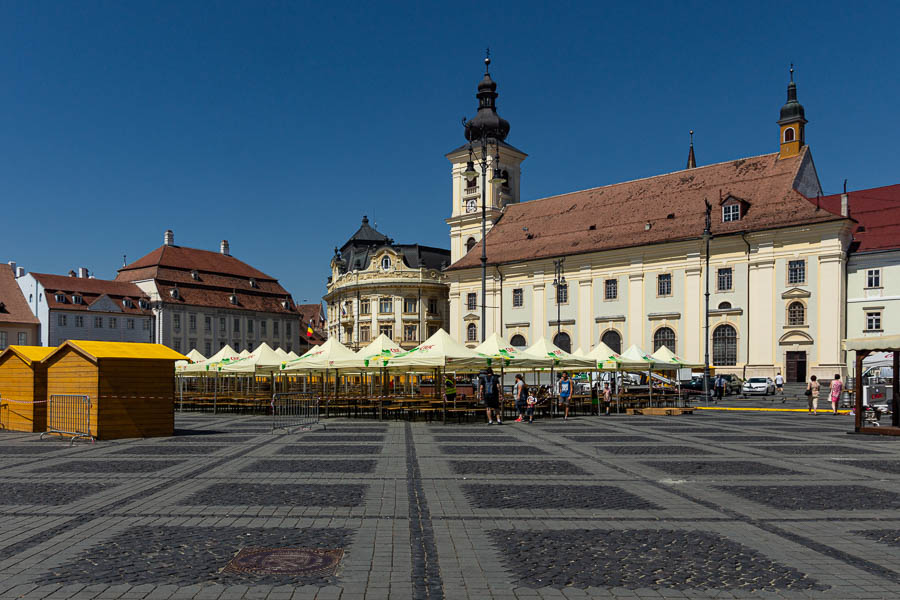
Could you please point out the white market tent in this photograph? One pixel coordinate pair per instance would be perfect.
(280, 351)
(292, 355)
(440, 350)
(261, 360)
(666, 355)
(226, 354)
(330, 355)
(379, 352)
(194, 356)
(559, 358)
(244, 353)
(497, 351)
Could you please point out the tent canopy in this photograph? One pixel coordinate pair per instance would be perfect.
(664, 354)
(263, 359)
(440, 350)
(194, 356)
(379, 352)
(497, 351)
(330, 355)
(605, 357)
(635, 358)
(226, 354)
(559, 357)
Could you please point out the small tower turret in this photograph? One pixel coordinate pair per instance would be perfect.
(792, 122)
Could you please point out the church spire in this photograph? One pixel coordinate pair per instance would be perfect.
(487, 122)
(792, 122)
(692, 161)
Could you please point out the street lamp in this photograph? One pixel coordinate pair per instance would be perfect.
(707, 236)
(485, 132)
(558, 280)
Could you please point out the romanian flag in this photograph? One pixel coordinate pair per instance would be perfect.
(309, 329)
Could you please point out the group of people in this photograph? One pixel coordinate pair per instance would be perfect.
(489, 391)
(812, 393)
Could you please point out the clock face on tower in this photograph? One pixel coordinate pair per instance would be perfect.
(471, 205)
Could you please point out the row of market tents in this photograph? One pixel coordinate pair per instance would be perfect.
(438, 351)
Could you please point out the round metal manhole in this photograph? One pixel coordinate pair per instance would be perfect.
(285, 561)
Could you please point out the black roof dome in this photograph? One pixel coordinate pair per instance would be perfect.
(792, 109)
(487, 122)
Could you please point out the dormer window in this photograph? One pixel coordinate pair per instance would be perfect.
(731, 212)
(233, 298)
(195, 275)
(144, 304)
(77, 299)
(127, 303)
(61, 298)
(174, 293)
(386, 263)
(253, 283)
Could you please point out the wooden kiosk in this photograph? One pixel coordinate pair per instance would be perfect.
(130, 387)
(863, 347)
(23, 388)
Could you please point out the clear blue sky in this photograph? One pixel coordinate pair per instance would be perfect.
(278, 125)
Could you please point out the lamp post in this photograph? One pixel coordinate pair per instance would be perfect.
(707, 236)
(558, 280)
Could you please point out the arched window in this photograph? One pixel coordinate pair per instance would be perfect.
(612, 339)
(562, 341)
(470, 243)
(789, 134)
(386, 263)
(664, 336)
(796, 313)
(724, 346)
(472, 332)
(724, 305)
(518, 341)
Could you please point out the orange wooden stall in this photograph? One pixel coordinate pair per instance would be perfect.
(23, 388)
(131, 386)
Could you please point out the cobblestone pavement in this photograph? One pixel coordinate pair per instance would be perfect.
(717, 504)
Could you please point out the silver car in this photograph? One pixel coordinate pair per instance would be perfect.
(758, 385)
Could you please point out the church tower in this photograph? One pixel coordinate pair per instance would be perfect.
(792, 123)
(486, 149)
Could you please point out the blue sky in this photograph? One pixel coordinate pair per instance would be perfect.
(278, 125)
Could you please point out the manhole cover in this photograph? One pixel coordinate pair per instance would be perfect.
(285, 561)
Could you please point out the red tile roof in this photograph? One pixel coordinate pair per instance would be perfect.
(672, 205)
(877, 215)
(204, 261)
(221, 298)
(14, 306)
(90, 290)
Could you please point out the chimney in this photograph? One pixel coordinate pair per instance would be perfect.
(223, 248)
(20, 272)
(169, 238)
(845, 202)
(82, 272)
(72, 273)
(12, 265)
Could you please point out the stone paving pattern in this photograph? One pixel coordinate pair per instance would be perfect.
(717, 504)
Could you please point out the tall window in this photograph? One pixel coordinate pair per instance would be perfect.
(177, 344)
(873, 278)
(471, 301)
(664, 284)
(192, 322)
(364, 308)
(79, 321)
(146, 325)
(724, 346)
(664, 336)
(176, 322)
(237, 325)
(518, 341)
(208, 348)
(4, 340)
(797, 271)
(192, 343)
(610, 289)
(23, 338)
(873, 321)
(789, 134)
(562, 341)
(472, 332)
(250, 326)
(410, 333)
(61, 320)
(113, 323)
(731, 212)
(470, 243)
(387, 330)
(385, 305)
(562, 294)
(287, 329)
(796, 313)
(364, 333)
(207, 324)
(410, 305)
(275, 328)
(518, 297)
(723, 279)
(98, 322)
(386, 263)
(222, 326)
(612, 339)
(433, 306)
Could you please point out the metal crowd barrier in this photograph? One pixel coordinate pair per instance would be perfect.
(291, 411)
(69, 415)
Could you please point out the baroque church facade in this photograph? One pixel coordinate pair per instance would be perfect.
(776, 263)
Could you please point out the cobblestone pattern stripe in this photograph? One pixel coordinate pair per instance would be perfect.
(426, 573)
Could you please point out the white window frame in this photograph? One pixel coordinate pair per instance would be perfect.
(731, 213)
(518, 298)
(873, 278)
(801, 263)
(611, 284)
(660, 293)
(471, 301)
(386, 305)
(730, 274)
(873, 320)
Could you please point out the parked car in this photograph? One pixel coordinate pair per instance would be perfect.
(732, 384)
(758, 385)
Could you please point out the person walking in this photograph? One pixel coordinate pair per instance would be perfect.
(837, 386)
(450, 389)
(564, 390)
(812, 394)
(489, 393)
(720, 388)
(607, 397)
(530, 403)
(779, 385)
(520, 393)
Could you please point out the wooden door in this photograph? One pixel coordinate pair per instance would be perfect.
(796, 366)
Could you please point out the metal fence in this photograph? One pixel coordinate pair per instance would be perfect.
(69, 415)
(291, 411)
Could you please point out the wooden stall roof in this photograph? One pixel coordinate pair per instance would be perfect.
(94, 351)
(29, 354)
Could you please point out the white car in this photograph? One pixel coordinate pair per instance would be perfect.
(758, 385)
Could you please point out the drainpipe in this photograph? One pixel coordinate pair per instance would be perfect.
(500, 299)
(747, 334)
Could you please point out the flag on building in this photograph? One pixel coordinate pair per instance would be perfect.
(309, 329)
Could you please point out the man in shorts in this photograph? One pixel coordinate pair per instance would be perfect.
(489, 393)
(779, 384)
(564, 387)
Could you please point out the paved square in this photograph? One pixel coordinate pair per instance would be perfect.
(717, 504)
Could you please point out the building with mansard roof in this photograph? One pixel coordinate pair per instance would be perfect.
(203, 299)
(377, 286)
(626, 263)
